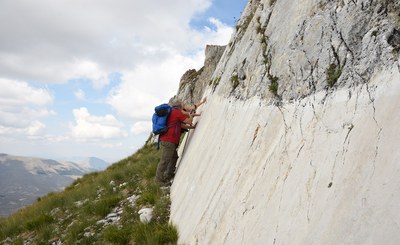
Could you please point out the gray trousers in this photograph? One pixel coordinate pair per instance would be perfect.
(167, 165)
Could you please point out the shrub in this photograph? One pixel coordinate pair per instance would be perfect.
(234, 81)
(273, 86)
(259, 29)
(333, 72)
(215, 83)
(245, 23)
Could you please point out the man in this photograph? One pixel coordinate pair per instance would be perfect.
(170, 140)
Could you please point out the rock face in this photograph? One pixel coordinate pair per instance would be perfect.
(193, 83)
(298, 141)
(299, 43)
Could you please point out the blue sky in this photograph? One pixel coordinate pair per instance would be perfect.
(81, 79)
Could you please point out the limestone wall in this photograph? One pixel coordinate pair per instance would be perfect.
(316, 163)
(322, 170)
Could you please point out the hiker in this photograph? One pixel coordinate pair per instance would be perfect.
(170, 140)
(186, 109)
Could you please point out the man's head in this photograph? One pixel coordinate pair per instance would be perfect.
(175, 102)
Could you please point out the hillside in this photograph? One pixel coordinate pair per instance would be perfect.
(102, 207)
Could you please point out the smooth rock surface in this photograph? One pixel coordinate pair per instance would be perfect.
(316, 161)
(322, 170)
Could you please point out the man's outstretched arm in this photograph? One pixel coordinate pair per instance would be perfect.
(189, 126)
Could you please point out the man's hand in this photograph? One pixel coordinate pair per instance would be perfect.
(189, 126)
(195, 114)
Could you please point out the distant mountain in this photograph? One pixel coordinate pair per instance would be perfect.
(120, 205)
(24, 179)
(95, 163)
(91, 163)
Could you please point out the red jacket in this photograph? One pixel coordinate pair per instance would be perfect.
(174, 123)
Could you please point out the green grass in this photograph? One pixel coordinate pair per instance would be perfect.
(117, 235)
(102, 207)
(72, 215)
(38, 221)
(155, 234)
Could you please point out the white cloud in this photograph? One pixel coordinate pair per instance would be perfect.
(149, 85)
(54, 41)
(21, 106)
(80, 94)
(95, 127)
(35, 128)
(149, 43)
(221, 35)
(152, 83)
(142, 127)
(110, 146)
(17, 93)
(89, 70)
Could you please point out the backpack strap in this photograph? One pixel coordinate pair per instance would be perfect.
(172, 124)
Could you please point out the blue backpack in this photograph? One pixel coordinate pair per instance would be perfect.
(160, 118)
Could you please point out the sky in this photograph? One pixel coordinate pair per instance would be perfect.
(81, 78)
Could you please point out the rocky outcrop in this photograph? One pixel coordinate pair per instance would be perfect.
(193, 83)
(308, 47)
(298, 141)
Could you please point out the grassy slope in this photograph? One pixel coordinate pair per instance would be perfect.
(71, 216)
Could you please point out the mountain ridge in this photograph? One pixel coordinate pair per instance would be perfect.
(24, 179)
